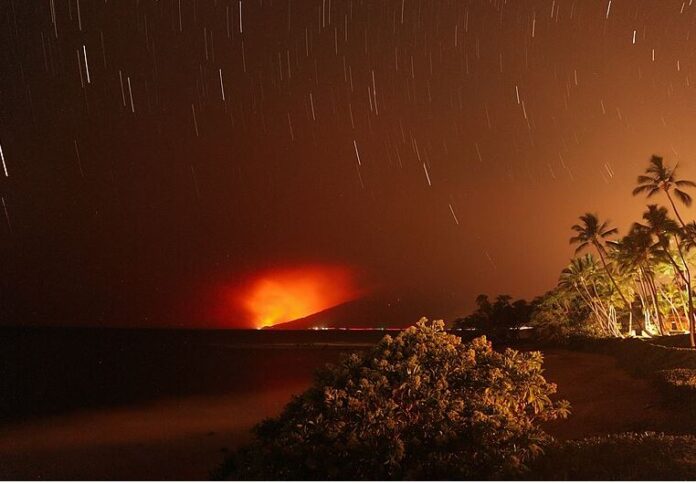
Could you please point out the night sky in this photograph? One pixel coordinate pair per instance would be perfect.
(157, 153)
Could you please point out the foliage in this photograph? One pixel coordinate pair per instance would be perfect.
(680, 384)
(421, 405)
(591, 232)
(680, 377)
(560, 316)
(629, 456)
(499, 316)
(659, 177)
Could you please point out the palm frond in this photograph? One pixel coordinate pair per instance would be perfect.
(653, 192)
(581, 247)
(642, 188)
(656, 163)
(683, 196)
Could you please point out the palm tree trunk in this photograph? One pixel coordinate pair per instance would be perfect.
(600, 250)
(685, 308)
(595, 307)
(692, 322)
(599, 303)
(685, 274)
(642, 291)
(674, 207)
(673, 308)
(587, 299)
(653, 295)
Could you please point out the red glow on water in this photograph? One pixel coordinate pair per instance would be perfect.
(280, 295)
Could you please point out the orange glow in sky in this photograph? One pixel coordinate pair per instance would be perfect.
(284, 295)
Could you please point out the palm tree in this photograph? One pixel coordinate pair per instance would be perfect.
(690, 235)
(582, 276)
(592, 232)
(664, 229)
(638, 257)
(660, 178)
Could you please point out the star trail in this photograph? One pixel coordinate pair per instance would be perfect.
(153, 150)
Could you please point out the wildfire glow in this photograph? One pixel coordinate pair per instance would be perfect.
(287, 294)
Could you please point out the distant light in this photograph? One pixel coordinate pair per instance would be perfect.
(282, 295)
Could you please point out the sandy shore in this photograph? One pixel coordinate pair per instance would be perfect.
(182, 438)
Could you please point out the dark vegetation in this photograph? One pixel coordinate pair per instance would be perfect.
(499, 317)
(630, 456)
(680, 384)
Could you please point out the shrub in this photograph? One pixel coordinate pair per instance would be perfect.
(419, 405)
(630, 456)
(679, 383)
(559, 320)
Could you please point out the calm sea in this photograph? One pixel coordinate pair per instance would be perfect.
(46, 371)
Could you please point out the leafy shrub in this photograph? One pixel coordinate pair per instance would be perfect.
(419, 405)
(558, 319)
(629, 456)
(679, 383)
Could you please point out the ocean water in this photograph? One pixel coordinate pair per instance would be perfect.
(49, 371)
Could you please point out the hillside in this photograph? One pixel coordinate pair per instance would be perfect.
(361, 313)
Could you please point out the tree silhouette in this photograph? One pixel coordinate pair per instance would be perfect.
(499, 316)
(661, 178)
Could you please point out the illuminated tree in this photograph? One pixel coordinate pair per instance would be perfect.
(672, 291)
(586, 280)
(637, 256)
(593, 233)
(561, 313)
(665, 230)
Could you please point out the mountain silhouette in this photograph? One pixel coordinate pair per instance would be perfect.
(360, 313)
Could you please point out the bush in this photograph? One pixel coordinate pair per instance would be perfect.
(421, 405)
(630, 456)
(679, 383)
(557, 320)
